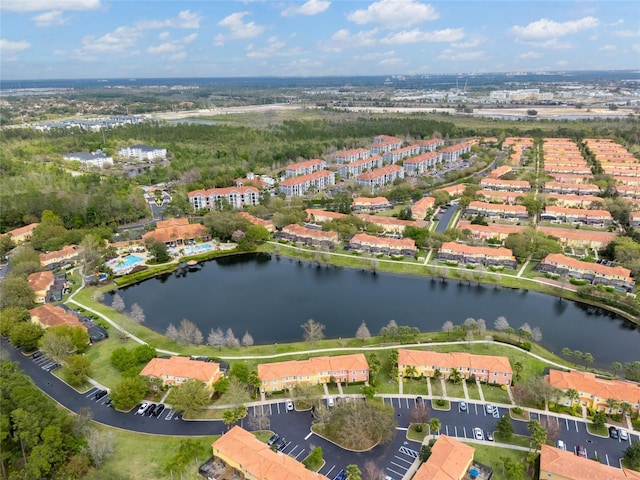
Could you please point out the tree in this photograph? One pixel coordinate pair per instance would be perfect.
(573, 395)
(425, 453)
(186, 333)
(216, 338)
(536, 334)
(504, 427)
(517, 368)
(117, 303)
(123, 359)
(233, 415)
(259, 421)
(230, 340)
(567, 352)
(91, 250)
(78, 369)
(419, 413)
(538, 434)
(455, 376)
(599, 419)
(58, 347)
(236, 393)
(375, 366)
(447, 327)
(137, 314)
(524, 332)
(363, 332)
(512, 468)
(159, 253)
(189, 397)
(616, 367)
(631, 456)
(434, 425)
(16, 292)
(353, 472)
(481, 326)
(247, 339)
(313, 331)
(501, 324)
(552, 428)
(588, 359)
(26, 335)
(128, 392)
(101, 445)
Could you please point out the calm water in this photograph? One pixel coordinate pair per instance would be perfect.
(272, 297)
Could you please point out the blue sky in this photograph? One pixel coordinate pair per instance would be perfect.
(46, 39)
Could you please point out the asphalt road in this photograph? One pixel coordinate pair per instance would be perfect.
(395, 457)
(445, 218)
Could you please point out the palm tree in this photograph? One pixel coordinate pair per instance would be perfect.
(617, 367)
(411, 371)
(573, 396)
(455, 376)
(434, 425)
(514, 469)
(612, 404)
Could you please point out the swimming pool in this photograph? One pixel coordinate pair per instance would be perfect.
(203, 247)
(121, 264)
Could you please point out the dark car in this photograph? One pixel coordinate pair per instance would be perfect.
(280, 444)
(342, 475)
(581, 451)
(36, 355)
(100, 394)
(613, 433)
(150, 409)
(159, 409)
(274, 438)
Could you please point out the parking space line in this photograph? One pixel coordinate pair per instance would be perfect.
(407, 399)
(330, 470)
(300, 453)
(393, 471)
(399, 466)
(567, 422)
(606, 457)
(476, 405)
(576, 425)
(307, 437)
(446, 427)
(278, 405)
(456, 431)
(270, 411)
(464, 429)
(403, 460)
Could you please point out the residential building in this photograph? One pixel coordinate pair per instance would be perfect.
(40, 283)
(350, 156)
(214, 198)
(143, 152)
(594, 273)
(571, 237)
(300, 186)
(571, 188)
(178, 370)
(262, 182)
(305, 168)
(493, 196)
(454, 190)
(22, 234)
(391, 224)
(573, 201)
(280, 376)
(593, 392)
(59, 258)
(370, 204)
(49, 315)
(362, 242)
(430, 145)
(572, 178)
(500, 171)
(505, 185)
(385, 143)
(634, 219)
(599, 218)
(309, 236)
(470, 255)
(485, 368)
(380, 177)
(362, 165)
(268, 224)
(420, 208)
(454, 152)
(419, 165)
(496, 211)
(557, 464)
(554, 169)
(177, 231)
(401, 153)
(449, 460)
(238, 454)
(628, 191)
(494, 231)
(320, 216)
(96, 159)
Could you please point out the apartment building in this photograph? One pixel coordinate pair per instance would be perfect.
(454, 190)
(178, 370)
(352, 155)
(362, 242)
(558, 464)
(571, 237)
(305, 168)
(500, 171)
(239, 455)
(177, 231)
(40, 283)
(449, 460)
(320, 216)
(309, 236)
(370, 204)
(419, 165)
(594, 273)
(279, 376)
(215, 198)
(454, 152)
(143, 152)
(252, 180)
(573, 201)
(380, 176)
(493, 196)
(362, 165)
(420, 208)
(597, 218)
(505, 185)
(593, 392)
(385, 143)
(48, 316)
(573, 178)
(571, 188)
(634, 219)
(300, 186)
(268, 224)
(472, 255)
(22, 234)
(495, 211)
(96, 159)
(401, 153)
(430, 145)
(67, 255)
(556, 169)
(390, 224)
(485, 368)
(494, 231)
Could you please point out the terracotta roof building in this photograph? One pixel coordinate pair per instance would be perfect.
(391, 224)
(178, 231)
(420, 208)
(485, 232)
(268, 224)
(279, 376)
(353, 155)
(40, 283)
(48, 316)
(374, 204)
(362, 242)
(401, 153)
(299, 186)
(454, 152)
(494, 196)
(67, 255)
(453, 190)
(177, 370)
(239, 453)
(449, 460)
(594, 273)
(505, 185)
(320, 216)
(420, 164)
(305, 168)
(469, 255)
(362, 165)
(309, 236)
(492, 210)
(237, 197)
(500, 171)
(380, 177)
(486, 368)
(571, 188)
(384, 143)
(572, 237)
(22, 234)
(600, 218)
(557, 464)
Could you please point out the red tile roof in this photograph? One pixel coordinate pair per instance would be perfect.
(182, 367)
(305, 178)
(364, 239)
(556, 463)
(449, 460)
(223, 191)
(49, 315)
(560, 259)
(380, 172)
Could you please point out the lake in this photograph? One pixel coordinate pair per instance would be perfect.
(271, 297)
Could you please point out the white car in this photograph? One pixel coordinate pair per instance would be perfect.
(142, 408)
(623, 434)
(330, 402)
(289, 405)
(478, 434)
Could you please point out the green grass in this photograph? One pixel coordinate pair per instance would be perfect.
(413, 434)
(263, 435)
(518, 440)
(352, 389)
(493, 394)
(472, 389)
(524, 416)
(415, 387)
(436, 388)
(492, 457)
(601, 432)
(446, 405)
(392, 211)
(455, 391)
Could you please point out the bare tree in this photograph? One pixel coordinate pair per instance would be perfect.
(137, 314)
(419, 413)
(186, 333)
(363, 332)
(247, 339)
(313, 330)
(447, 327)
(81, 423)
(216, 338)
(470, 324)
(501, 324)
(536, 334)
(370, 471)
(259, 421)
(552, 428)
(101, 445)
(230, 340)
(481, 326)
(172, 333)
(118, 304)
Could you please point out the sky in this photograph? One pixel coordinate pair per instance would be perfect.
(60, 39)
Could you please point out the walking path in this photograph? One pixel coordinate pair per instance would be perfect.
(524, 266)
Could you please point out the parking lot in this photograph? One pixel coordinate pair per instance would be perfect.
(44, 361)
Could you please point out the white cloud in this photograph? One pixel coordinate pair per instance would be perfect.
(178, 56)
(628, 33)
(394, 14)
(545, 28)
(274, 48)
(238, 30)
(392, 61)
(60, 53)
(453, 55)
(562, 63)
(469, 44)
(121, 40)
(7, 47)
(173, 46)
(636, 47)
(529, 55)
(375, 55)
(608, 48)
(54, 17)
(185, 19)
(416, 35)
(345, 39)
(164, 35)
(312, 7)
(39, 5)
(553, 43)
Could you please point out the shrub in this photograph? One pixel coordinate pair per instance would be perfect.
(575, 281)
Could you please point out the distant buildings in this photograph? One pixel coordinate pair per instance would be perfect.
(59, 258)
(40, 283)
(268, 224)
(472, 255)
(370, 204)
(305, 168)
(214, 198)
(362, 242)
(594, 273)
(22, 234)
(380, 177)
(143, 152)
(177, 231)
(309, 236)
(312, 182)
(420, 208)
(96, 159)
(49, 315)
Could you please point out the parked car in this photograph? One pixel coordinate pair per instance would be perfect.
(280, 444)
(150, 409)
(330, 402)
(613, 433)
(289, 405)
(99, 394)
(159, 409)
(142, 408)
(623, 434)
(462, 406)
(477, 433)
(342, 475)
(561, 445)
(581, 451)
(489, 435)
(489, 409)
(37, 354)
(273, 439)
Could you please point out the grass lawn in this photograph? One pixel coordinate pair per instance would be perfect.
(601, 432)
(495, 394)
(351, 389)
(492, 457)
(151, 453)
(413, 434)
(263, 435)
(436, 387)
(446, 405)
(472, 389)
(415, 387)
(455, 391)
(519, 440)
(524, 416)
(392, 211)
(100, 353)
